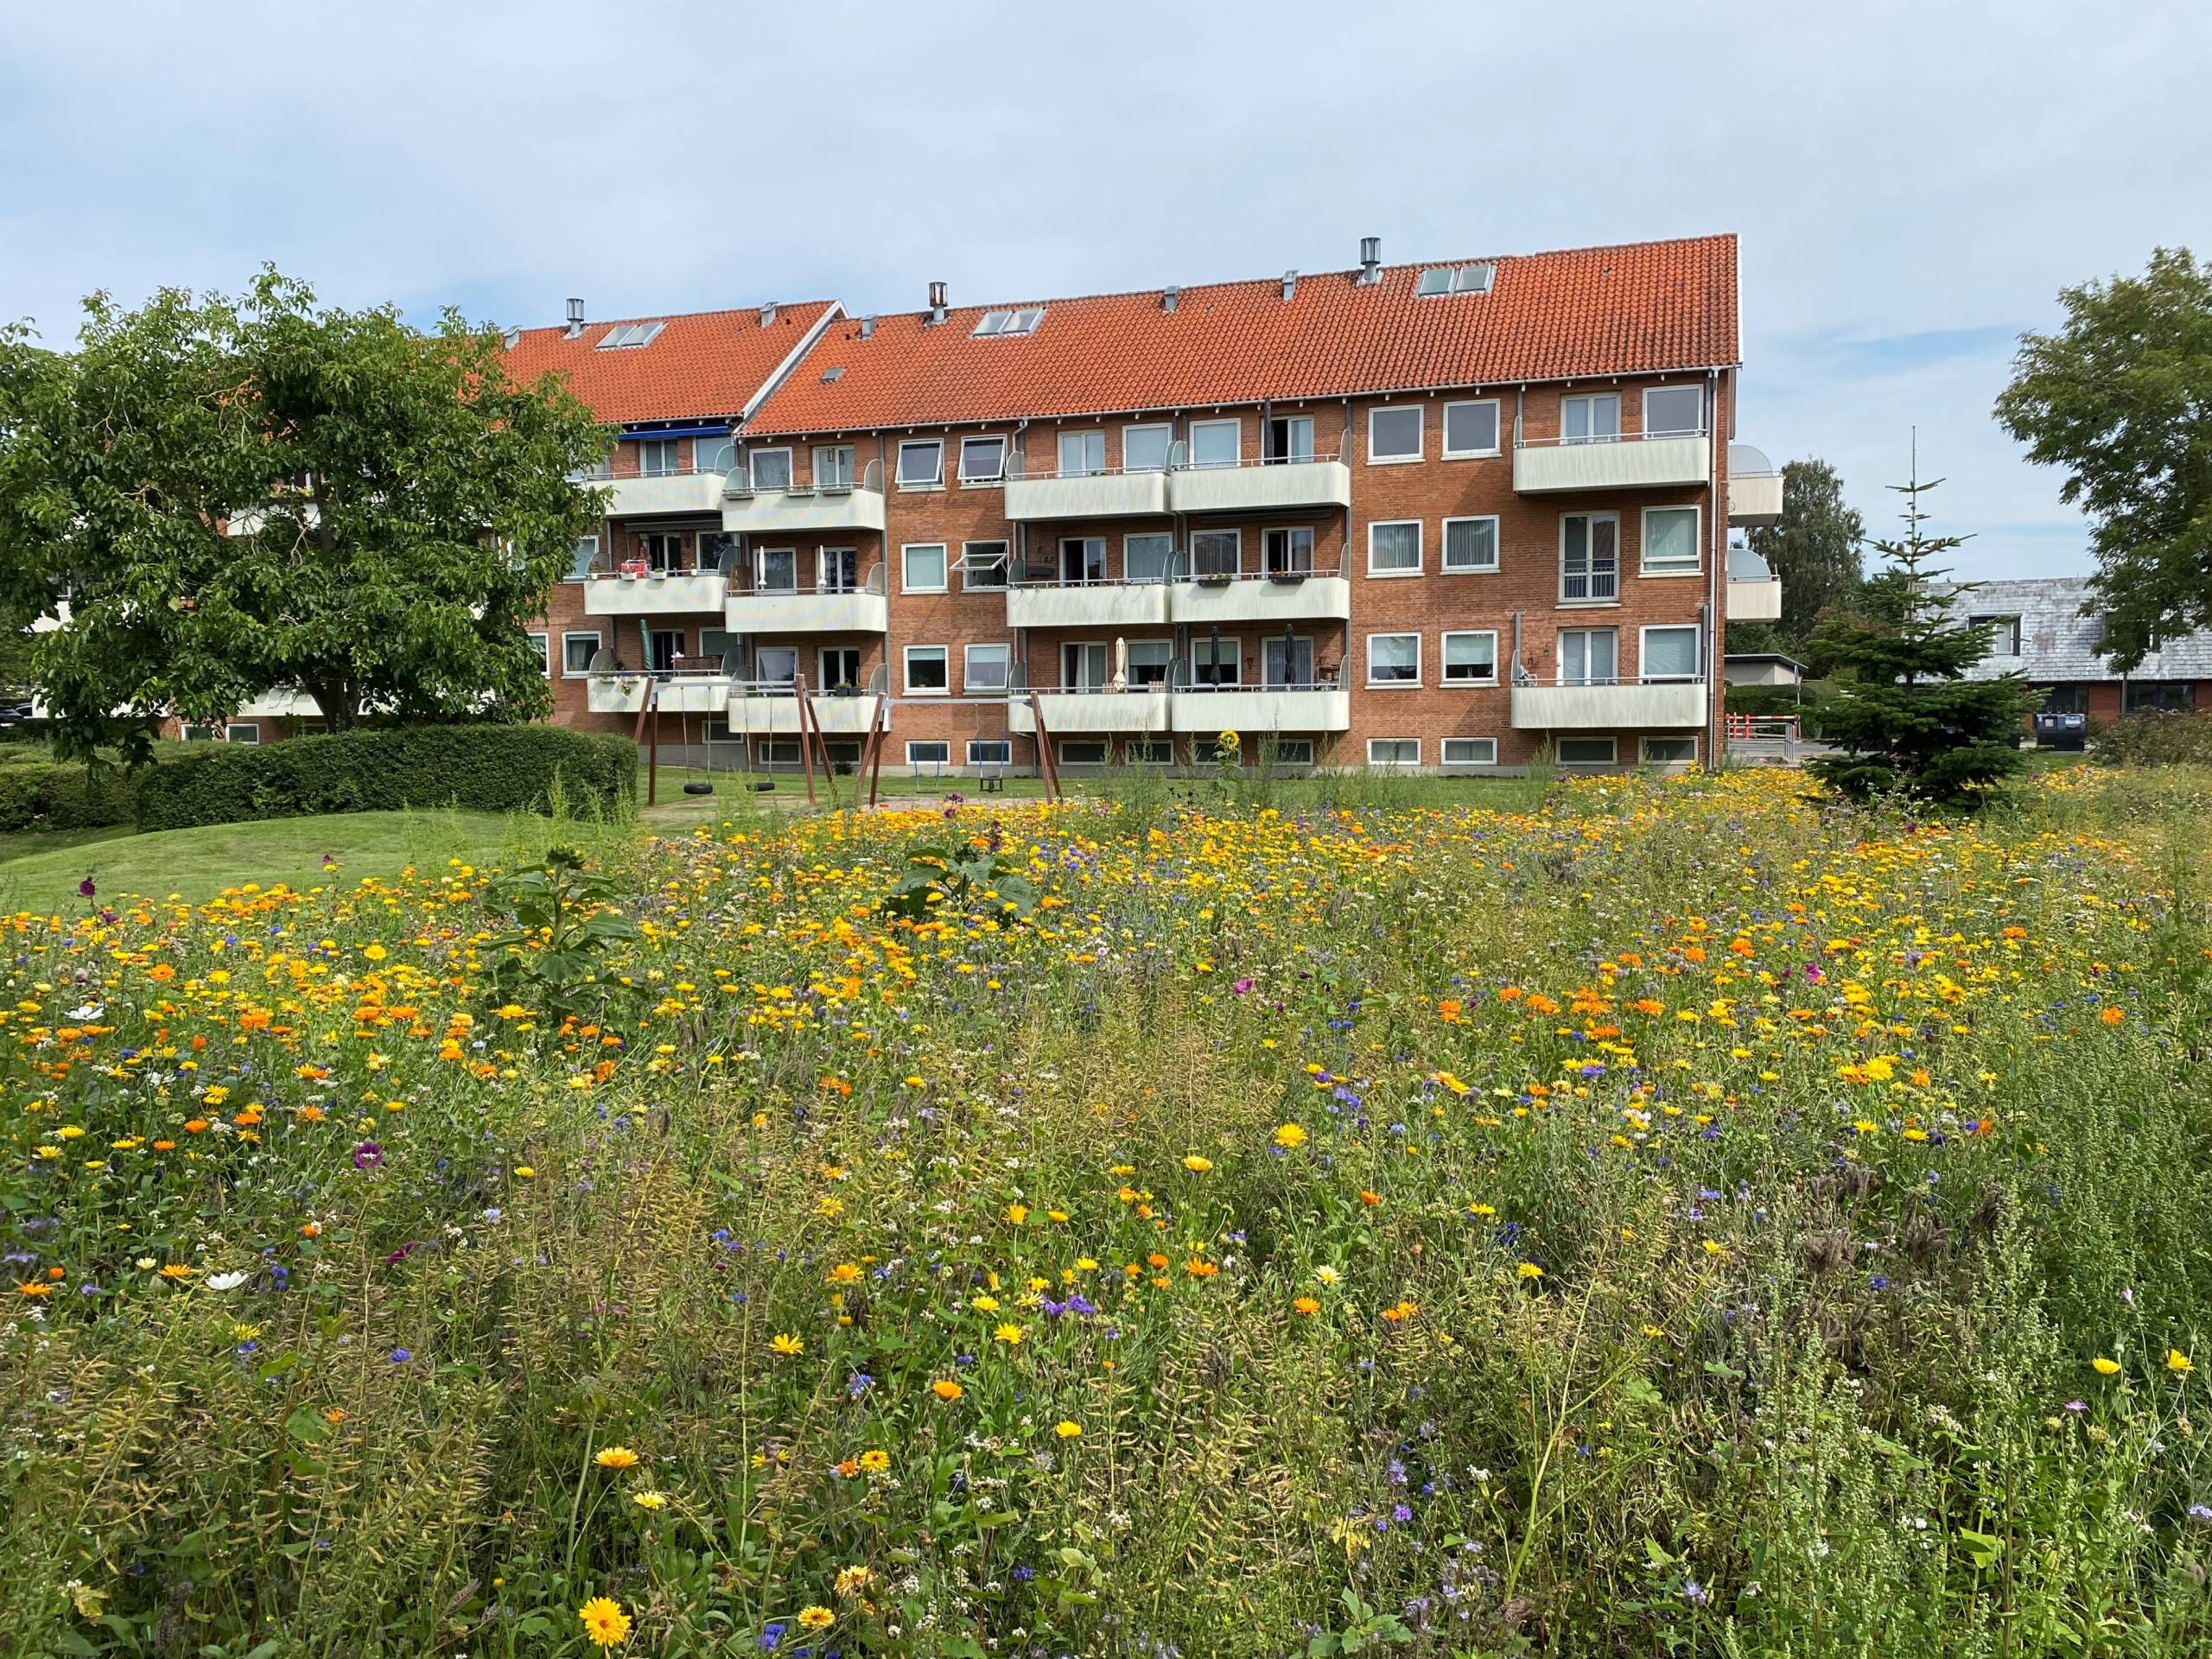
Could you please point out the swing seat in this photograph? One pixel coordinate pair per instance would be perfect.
(698, 789)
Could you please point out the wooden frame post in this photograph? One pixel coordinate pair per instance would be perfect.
(1048, 769)
(876, 737)
(652, 766)
(806, 755)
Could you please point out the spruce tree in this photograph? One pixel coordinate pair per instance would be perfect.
(1911, 723)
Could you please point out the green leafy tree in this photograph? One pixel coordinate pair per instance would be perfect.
(1815, 550)
(1912, 723)
(2121, 398)
(232, 495)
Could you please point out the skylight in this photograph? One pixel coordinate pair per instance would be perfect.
(630, 334)
(1455, 279)
(996, 323)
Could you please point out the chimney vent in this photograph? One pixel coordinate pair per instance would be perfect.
(937, 294)
(1169, 296)
(867, 327)
(575, 318)
(1371, 261)
(1290, 285)
(767, 314)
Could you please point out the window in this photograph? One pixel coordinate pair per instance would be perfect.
(985, 669)
(1082, 453)
(585, 556)
(1216, 661)
(630, 334)
(771, 469)
(1589, 656)
(1394, 659)
(1393, 549)
(1289, 438)
(1083, 751)
(924, 569)
(2004, 634)
(1670, 542)
(2157, 698)
(242, 732)
(717, 551)
(1149, 660)
(543, 645)
(983, 460)
(988, 751)
(666, 645)
(1216, 443)
(775, 569)
(1669, 751)
(1144, 449)
(1085, 667)
(925, 670)
(714, 454)
(1143, 752)
(657, 458)
(777, 751)
(1025, 321)
(1276, 673)
(1454, 279)
(1394, 433)
(718, 647)
(1470, 544)
(777, 665)
(1292, 751)
(840, 669)
(921, 466)
(1471, 658)
(576, 652)
(833, 467)
(1393, 751)
(1670, 653)
(838, 570)
(661, 551)
(937, 752)
(1288, 552)
(1590, 420)
(1471, 428)
(1082, 560)
(1469, 751)
(1586, 751)
(1589, 556)
(1674, 411)
(1148, 558)
(982, 565)
(1217, 552)
(196, 734)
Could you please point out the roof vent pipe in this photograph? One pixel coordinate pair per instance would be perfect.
(937, 302)
(575, 318)
(867, 327)
(1289, 285)
(767, 314)
(1169, 296)
(1371, 261)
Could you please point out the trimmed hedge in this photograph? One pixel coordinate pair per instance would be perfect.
(41, 794)
(476, 769)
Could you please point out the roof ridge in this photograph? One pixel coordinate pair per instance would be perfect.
(676, 316)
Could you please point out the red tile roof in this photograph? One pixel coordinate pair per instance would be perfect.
(711, 363)
(1647, 307)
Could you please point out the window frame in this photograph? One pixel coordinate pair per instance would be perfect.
(1420, 553)
(2001, 627)
(1613, 750)
(1081, 435)
(1166, 447)
(1694, 567)
(1593, 398)
(1411, 683)
(1233, 645)
(1644, 411)
(968, 567)
(1004, 745)
(1105, 751)
(851, 480)
(906, 551)
(668, 449)
(752, 470)
(822, 663)
(1589, 574)
(824, 556)
(981, 480)
(1420, 412)
(1559, 646)
(1444, 555)
(1644, 757)
(543, 640)
(1302, 644)
(1497, 406)
(1394, 763)
(935, 480)
(1166, 668)
(944, 743)
(580, 562)
(1236, 571)
(1290, 424)
(760, 558)
(761, 676)
(252, 728)
(943, 654)
(1445, 757)
(1444, 657)
(1695, 676)
(1287, 531)
(598, 643)
(1167, 566)
(968, 686)
(1215, 425)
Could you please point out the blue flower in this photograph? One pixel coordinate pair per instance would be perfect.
(1401, 1513)
(400, 1356)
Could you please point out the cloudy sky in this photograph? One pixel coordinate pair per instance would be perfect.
(1913, 183)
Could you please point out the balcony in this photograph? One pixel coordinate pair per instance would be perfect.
(1754, 591)
(668, 492)
(616, 694)
(1625, 705)
(1553, 466)
(801, 508)
(1260, 486)
(1139, 708)
(1218, 602)
(639, 592)
(1086, 495)
(811, 610)
(1262, 708)
(1086, 605)
(768, 709)
(1754, 489)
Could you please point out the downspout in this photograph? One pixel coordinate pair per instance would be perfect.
(1343, 454)
(1713, 624)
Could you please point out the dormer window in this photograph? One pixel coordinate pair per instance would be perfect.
(993, 324)
(626, 335)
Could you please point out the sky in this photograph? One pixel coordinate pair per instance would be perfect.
(1913, 184)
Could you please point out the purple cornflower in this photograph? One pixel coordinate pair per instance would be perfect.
(368, 1154)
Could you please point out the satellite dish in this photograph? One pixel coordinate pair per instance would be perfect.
(602, 661)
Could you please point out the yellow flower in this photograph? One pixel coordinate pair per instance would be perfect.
(524, 1171)
(875, 1462)
(986, 1304)
(377, 953)
(816, 1618)
(1197, 1164)
(2178, 1363)
(945, 1388)
(604, 1621)
(1307, 1305)
(649, 1500)
(851, 1580)
(1067, 1431)
(786, 1345)
(1327, 1276)
(1008, 1334)
(845, 1273)
(1530, 1270)
(1290, 1134)
(2104, 1367)
(616, 1457)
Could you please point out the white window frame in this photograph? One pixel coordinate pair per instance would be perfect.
(824, 682)
(913, 759)
(1446, 758)
(1612, 755)
(1694, 567)
(1593, 398)
(1559, 645)
(1167, 428)
(1197, 427)
(658, 446)
(968, 686)
(1497, 427)
(1287, 531)
(1130, 746)
(1083, 436)
(247, 732)
(580, 562)
(1444, 656)
(1293, 751)
(544, 644)
(969, 565)
(1167, 568)
(1644, 751)
(598, 643)
(776, 752)
(707, 445)
(188, 732)
(943, 654)
(760, 558)
(826, 561)
(760, 656)
(851, 467)
(1231, 657)
(1589, 574)
(1290, 424)
(906, 552)
(1236, 565)
(935, 480)
(1003, 757)
(1420, 553)
(1166, 666)
(1420, 413)
(1443, 546)
(1644, 412)
(753, 469)
(1643, 656)
(1412, 685)
(983, 480)
(1105, 751)
(1393, 762)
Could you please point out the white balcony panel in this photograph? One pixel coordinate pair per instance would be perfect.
(1244, 489)
(1607, 707)
(1102, 495)
(283, 703)
(685, 594)
(1074, 713)
(1134, 605)
(1755, 601)
(645, 498)
(694, 694)
(807, 614)
(616, 696)
(1754, 499)
(1647, 463)
(1320, 709)
(767, 716)
(1317, 599)
(783, 512)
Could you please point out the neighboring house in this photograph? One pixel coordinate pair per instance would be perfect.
(1761, 668)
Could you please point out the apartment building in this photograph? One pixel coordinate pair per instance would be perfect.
(1431, 515)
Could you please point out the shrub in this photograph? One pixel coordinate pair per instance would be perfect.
(38, 794)
(483, 768)
(2154, 740)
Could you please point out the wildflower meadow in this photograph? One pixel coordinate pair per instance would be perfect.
(1643, 1215)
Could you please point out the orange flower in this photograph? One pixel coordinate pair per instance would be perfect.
(1365, 1197)
(945, 1388)
(1307, 1305)
(1157, 1259)
(164, 1145)
(2112, 1016)
(196, 1126)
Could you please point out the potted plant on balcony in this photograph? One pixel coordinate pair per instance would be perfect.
(633, 568)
